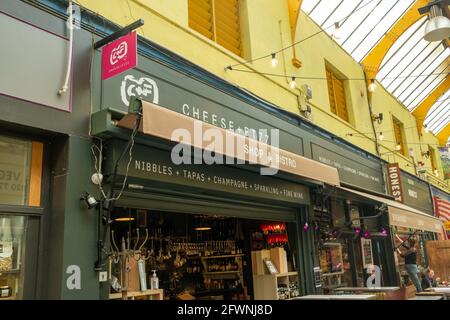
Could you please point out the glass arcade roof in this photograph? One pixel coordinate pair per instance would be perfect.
(412, 68)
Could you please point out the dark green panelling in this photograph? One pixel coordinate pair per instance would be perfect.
(203, 204)
(153, 165)
(80, 236)
(53, 274)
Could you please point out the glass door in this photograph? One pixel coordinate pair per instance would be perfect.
(13, 232)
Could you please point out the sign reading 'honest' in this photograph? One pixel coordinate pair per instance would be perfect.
(119, 55)
(395, 183)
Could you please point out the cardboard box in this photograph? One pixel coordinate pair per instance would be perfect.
(258, 266)
(279, 259)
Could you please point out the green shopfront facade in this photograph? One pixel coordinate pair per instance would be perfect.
(155, 183)
(64, 233)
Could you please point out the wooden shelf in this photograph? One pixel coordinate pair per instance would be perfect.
(133, 294)
(222, 272)
(288, 274)
(223, 256)
(332, 274)
(10, 271)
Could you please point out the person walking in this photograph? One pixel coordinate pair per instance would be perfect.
(410, 256)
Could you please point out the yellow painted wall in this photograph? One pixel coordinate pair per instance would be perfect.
(265, 28)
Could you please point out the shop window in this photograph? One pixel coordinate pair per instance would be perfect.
(20, 172)
(399, 136)
(336, 94)
(217, 20)
(12, 256)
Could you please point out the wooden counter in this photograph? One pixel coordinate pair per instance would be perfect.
(156, 294)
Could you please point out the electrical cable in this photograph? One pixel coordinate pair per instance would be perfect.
(300, 41)
(65, 85)
(325, 78)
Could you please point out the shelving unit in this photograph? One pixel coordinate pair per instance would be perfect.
(222, 276)
(266, 286)
(132, 295)
(223, 256)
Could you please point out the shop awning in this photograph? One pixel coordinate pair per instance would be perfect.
(401, 215)
(173, 126)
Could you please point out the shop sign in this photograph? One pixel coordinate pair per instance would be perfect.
(394, 179)
(151, 165)
(352, 168)
(416, 193)
(119, 55)
(168, 88)
(405, 219)
(213, 144)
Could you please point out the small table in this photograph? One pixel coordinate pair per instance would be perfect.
(381, 293)
(367, 289)
(337, 297)
(159, 293)
(442, 291)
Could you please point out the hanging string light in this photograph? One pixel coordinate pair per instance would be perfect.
(398, 147)
(425, 127)
(337, 33)
(381, 136)
(436, 173)
(274, 61)
(293, 83)
(372, 86)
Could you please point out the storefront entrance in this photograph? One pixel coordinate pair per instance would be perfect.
(201, 256)
(21, 176)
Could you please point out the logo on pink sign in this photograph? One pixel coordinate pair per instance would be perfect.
(119, 56)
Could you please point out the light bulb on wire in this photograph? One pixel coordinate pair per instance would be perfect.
(274, 61)
(425, 127)
(436, 173)
(381, 136)
(372, 86)
(293, 83)
(398, 147)
(337, 33)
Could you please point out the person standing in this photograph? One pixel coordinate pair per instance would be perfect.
(410, 256)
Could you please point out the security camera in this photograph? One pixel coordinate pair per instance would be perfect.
(90, 200)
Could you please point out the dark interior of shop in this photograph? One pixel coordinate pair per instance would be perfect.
(194, 256)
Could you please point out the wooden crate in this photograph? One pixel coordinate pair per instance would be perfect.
(258, 266)
(279, 259)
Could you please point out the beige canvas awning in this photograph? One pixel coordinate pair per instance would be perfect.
(401, 215)
(170, 125)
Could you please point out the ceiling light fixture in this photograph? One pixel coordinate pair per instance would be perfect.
(124, 219)
(438, 26)
(202, 228)
(274, 61)
(293, 83)
(372, 86)
(337, 33)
